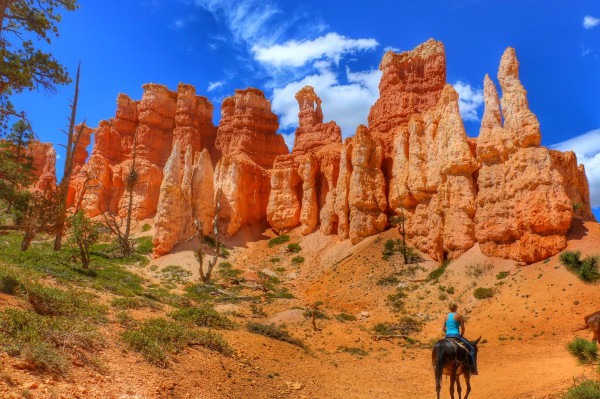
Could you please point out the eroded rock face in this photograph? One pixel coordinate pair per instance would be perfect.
(523, 209)
(148, 129)
(366, 192)
(315, 159)
(43, 158)
(186, 195)
(412, 83)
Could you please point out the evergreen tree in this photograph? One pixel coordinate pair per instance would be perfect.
(22, 66)
(16, 167)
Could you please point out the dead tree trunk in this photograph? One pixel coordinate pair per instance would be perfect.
(73, 137)
(205, 277)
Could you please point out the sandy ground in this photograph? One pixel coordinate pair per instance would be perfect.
(524, 327)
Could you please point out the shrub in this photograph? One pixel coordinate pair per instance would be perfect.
(354, 351)
(146, 227)
(502, 275)
(274, 332)
(478, 270)
(274, 260)
(9, 283)
(405, 326)
(296, 260)
(226, 271)
(52, 301)
(134, 303)
(391, 247)
(388, 280)
(585, 351)
(278, 240)
(158, 339)
(343, 317)
(482, 293)
(437, 273)
(294, 248)
(44, 341)
(588, 389)
(586, 269)
(174, 274)
(396, 300)
(204, 316)
(143, 245)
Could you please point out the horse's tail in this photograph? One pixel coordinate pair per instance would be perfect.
(581, 328)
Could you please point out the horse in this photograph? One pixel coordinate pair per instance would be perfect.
(592, 322)
(453, 360)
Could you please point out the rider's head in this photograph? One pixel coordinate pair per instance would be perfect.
(453, 306)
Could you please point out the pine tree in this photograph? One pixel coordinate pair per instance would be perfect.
(22, 66)
(16, 166)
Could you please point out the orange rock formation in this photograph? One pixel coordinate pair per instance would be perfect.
(43, 157)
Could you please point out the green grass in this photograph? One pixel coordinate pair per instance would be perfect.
(586, 269)
(134, 303)
(226, 271)
(586, 352)
(51, 301)
(343, 317)
(45, 342)
(294, 248)
(588, 389)
(159, 339)
(273, 242)
(172, 275)
(483, 293)
(143, 245)
(204, 316)
(274, 332)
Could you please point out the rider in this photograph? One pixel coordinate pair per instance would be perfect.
(451, 324)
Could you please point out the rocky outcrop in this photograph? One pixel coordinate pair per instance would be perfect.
(248, 145)
(412, 83)
(523, 209)
(186, 194)
(315, 159)
(43, 160)
(147, 130)
(575, 183)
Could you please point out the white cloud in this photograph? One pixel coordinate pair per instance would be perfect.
(178, 24)
(589, 22)
(215, 85)
(587, 149)
(391, 48)
(347, 104)
(469, 100)
(247, 20)
(295, 53)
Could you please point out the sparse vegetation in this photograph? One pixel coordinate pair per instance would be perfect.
(405, 326)
(589, 389)
(205, 316)
(343, 317)
(134, 303)
(174, 274)
(586, 269)
(353, 350)
(146, 227)
(296, 260)
(437, 273)
(273, 242)
(483, 293)
(586, 352)
(396, 300)
(50, 301)
(502, 275)
(391, 247)
(294, 248)
(143, 245)
(159, 339)
(388, 280)
(226, 271)
(274, 332)
(478, 270)
(274, 260)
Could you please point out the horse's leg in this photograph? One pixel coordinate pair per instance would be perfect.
(452, 379)
(468, 381)
(458, 387)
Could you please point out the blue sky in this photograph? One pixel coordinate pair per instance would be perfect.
(278, 46)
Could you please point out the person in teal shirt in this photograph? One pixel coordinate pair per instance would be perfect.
(452, 324)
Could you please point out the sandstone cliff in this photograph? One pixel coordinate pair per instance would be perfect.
(43, 159)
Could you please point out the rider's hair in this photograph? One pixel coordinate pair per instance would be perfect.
(453, 306)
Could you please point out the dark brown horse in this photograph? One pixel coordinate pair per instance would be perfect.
(449, 358)
(592, 322)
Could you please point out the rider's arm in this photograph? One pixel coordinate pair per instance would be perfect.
(444, 328)
(462, 326)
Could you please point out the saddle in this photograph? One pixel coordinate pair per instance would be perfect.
(459, 343)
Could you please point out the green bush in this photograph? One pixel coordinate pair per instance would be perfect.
(9, 282)
(278, 240)
(174, 274)
(585, 351)
(502, 275)
(396, 300)
(204, 316)
(274, 260)
(391, 247)
(586, 269)
(296, 260)
(294, 248)
(274, 332)
(405, 326)
(143, 245)
(483, 293)
(50, 301)
(134, 303)
(588, 389)
(478, 270)
(343, 317)
(158, 339)
(388, 280)
(226, 271)
(45, 341)
(437, 273)
(146, 227)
